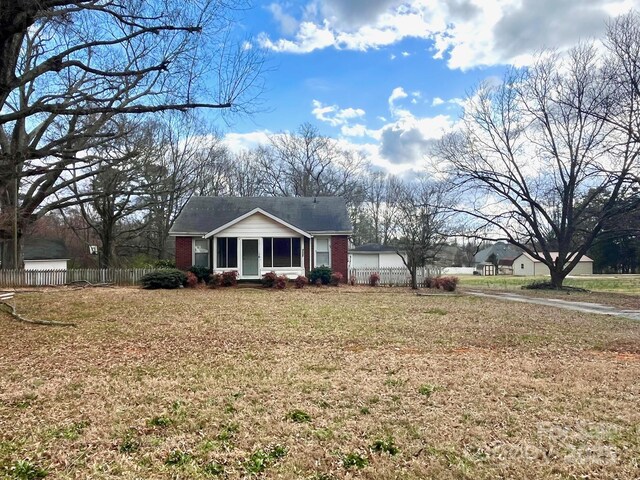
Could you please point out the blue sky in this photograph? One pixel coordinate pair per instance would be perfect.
(388, 77)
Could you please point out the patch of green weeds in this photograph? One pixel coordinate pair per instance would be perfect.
(177, 458)
(70, 432)
(129, 443)
(227, 432)
(354, 460)
(26, 470)
(24, 401)
(395, 382)
(263, 458)
(323, 434)
(161, 421)
(214, 469)
(428, 389)
(365, 411)
(386, 445)
(298, 416)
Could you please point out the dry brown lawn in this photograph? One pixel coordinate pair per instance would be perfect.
(315, 384)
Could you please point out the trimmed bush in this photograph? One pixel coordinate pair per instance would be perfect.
(320, 273)
(430, 282)
(374, 279)
(165, 278)
(448, 284)
(192, 280)
(269, 279)
(215, 281)
(301, 281)
(336, 279)
(353, 280)
(202, 273)
(230, 279)
(281, 282)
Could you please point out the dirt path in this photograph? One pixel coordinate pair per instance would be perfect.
(585, 307)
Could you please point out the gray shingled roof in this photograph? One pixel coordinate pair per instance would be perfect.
(501, 249)
(311, 214)
(44, 249)
(372, 248)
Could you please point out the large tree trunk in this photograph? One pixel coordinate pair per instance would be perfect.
(414, 277)
(557, 278)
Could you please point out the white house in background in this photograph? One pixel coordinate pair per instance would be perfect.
(45, 254)
(526, 265)
(374, 255)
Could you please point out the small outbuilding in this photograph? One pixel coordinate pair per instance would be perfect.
(526, 265)
(45, 254)
(374, 255)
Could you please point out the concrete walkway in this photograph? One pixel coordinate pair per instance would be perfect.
(585, 307)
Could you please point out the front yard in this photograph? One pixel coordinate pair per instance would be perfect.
(315, 384)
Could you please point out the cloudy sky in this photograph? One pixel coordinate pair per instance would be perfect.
(389, 76)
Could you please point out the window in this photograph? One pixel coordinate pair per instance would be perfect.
(522, 266)
(322, 252)
(281, 252)
(227, 253)
(201, 252)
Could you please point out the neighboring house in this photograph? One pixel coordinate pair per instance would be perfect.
(501, 250)
(256, 235)
(45, 254)
(525, 264)
(374, 255)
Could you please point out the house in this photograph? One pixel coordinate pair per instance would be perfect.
(374, 255)
(256, 235)
(45, 254)
(525, 264)
(499, 250)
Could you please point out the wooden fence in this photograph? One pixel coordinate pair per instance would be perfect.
(393, 276)
(29, 278)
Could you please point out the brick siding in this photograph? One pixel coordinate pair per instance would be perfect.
(184, 254)
(340, 255)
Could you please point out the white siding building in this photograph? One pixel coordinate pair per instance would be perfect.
(373, 255)
(526, 265)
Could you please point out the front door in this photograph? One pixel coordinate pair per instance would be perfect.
(250, 258)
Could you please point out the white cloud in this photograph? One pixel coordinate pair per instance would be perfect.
(405, 54)
(334, 115)
(288, 24)
(467, 33)
(437, 101)
(237, 142)
(456, 101)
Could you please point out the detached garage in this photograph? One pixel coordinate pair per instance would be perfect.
(526, 265)
(374, 255)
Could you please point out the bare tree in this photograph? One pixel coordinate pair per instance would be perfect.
(69, 68)
(535, 151)
(421, 223)
(307, 164)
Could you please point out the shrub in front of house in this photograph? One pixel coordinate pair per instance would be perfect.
(269, 279)
(164, 278)
(230, 279)
(202, 273)
(336, 279)
(215, 280)
(192, 280)
(301, 281)
(374, 279)
(353, 280)
(281, 282)
(322, 274)
(430, 282)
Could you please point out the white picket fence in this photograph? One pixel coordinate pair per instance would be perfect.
(29, 278)
(399, 277)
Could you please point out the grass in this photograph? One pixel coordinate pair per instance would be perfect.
(627, 284)
(316, 383)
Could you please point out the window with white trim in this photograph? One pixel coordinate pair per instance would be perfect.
(281, 252)
(322, 252)
(201, 252)
(227, 249)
